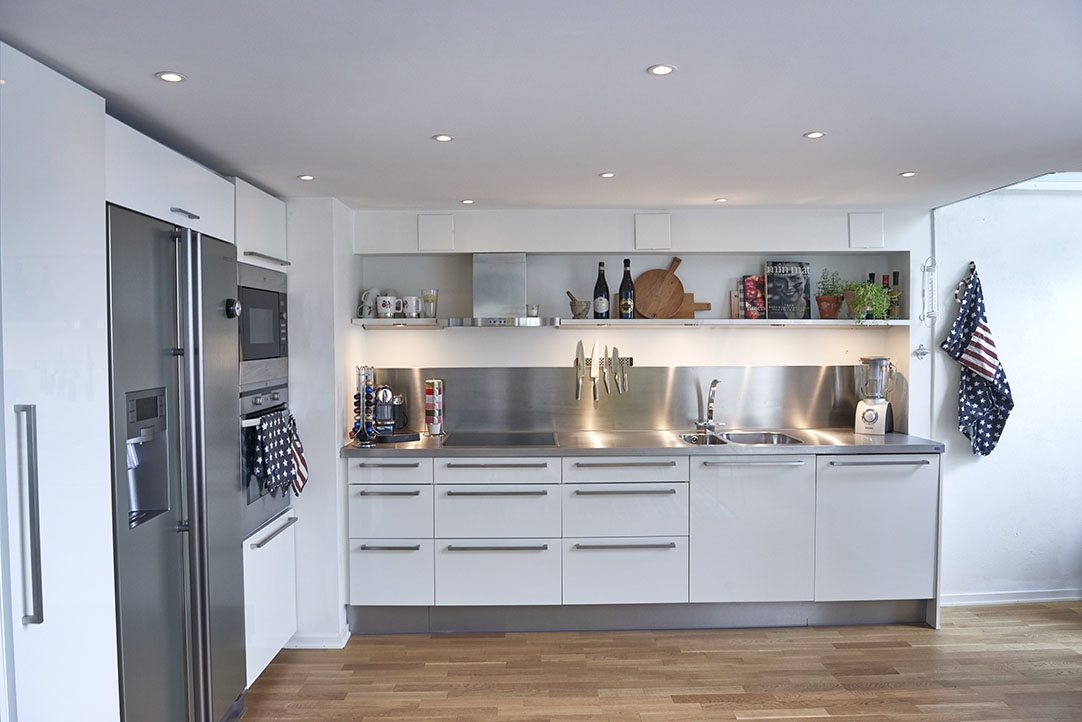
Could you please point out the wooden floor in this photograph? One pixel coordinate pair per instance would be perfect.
(1011, 662)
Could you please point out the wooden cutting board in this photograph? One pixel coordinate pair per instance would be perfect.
(658, 293)
(689, 307)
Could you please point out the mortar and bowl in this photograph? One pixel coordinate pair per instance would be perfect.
(579, 309)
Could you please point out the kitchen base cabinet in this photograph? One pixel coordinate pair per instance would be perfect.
(497, 571)
(638, 509)
(625, 570)
(391, 572)
(390, 510)
(270, 593)
(752, 529)
(876, 519)
(531, 511)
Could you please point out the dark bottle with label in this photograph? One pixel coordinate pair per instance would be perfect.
(627, 292)
(601, 293)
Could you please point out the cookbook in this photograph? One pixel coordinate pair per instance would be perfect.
(787, 289)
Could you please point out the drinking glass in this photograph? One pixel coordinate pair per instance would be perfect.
(428, 299)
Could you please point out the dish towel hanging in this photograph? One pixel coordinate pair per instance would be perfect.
(273, 464)
(984, 397)
(299, 462)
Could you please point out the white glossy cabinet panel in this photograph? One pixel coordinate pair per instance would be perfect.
(390, 510)
(498, 470)
(260, 227)
(56, 359)
(625, 468)
(146, 176)
(497, 571)
(625, 570)
(638, 509)
(270, 592)
(752, 529)
(389, 471)
(876, 519)
(497, 510)
(391, 572)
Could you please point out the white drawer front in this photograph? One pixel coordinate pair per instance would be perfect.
(497, 510)
(640, 509)
(390, 571)
(625, 570)
(390, 510)
(501, 470)
(497, 571)
(625, 468)
(389, 471)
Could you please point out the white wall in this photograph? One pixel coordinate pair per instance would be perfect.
(1011, 521)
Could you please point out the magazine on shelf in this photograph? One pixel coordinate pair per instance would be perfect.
(788, 293)
(754, 292)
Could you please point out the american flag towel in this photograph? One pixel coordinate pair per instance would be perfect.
(273, 463)
(297, 449)
(984, 398)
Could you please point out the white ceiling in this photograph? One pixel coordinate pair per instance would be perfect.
(542, 95)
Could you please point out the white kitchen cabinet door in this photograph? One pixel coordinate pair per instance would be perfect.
(389, 471)
(625, 468)
(510, 511)
(56, 370)
(497, 571)
(639, 509)
(394, 511)
(625, 570)
(391, 572)
(260, 227)
(876, 525)
(145, 176)
(497, 470)
(752, 533)
(270, 592)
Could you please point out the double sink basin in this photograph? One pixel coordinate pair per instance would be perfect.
(742, 438)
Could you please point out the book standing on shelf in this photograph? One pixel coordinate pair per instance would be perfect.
(754, 292)
(788, 295)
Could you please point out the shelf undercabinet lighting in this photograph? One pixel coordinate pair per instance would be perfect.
(443, 138)
(306, 177)
(607, 174)
(661, 69)
(814, 134)
(170, 76)
(908, 173)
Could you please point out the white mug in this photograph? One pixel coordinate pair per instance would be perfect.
(411, 306)
(368, 301)
(388, 306)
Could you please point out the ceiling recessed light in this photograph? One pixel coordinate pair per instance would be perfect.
(306, 177)
(169, 76)
(661, 69)
(443, 138)
(607, 174)
(814, 134)
(721, 200)
(908, 174)
(466, 201)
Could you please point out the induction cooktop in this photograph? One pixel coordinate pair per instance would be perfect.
(501, 438)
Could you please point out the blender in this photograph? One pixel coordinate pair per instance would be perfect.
(875, 379)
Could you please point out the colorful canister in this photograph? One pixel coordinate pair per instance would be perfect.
(434, 406)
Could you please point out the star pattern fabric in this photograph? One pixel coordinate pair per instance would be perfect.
(984, 397)
(273, 464)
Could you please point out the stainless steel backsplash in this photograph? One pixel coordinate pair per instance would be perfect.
(659, 397)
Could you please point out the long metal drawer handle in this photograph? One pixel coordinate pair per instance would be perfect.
(670, 545)
(191, 216)
(497, 493)
(498, 466)
(279, 530)
(380, 548)
(915, 462)
(797, 462)
(274, 259)
(37, 611)
(535, 548)
(365, 492)
(624, 492)
(366, 465)
(625, 465)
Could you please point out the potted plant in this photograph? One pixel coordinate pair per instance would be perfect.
(867, 300)
(829, 290)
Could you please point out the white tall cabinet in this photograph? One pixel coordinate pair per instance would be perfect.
(62, 637)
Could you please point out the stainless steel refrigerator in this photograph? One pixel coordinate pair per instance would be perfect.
(177, 491)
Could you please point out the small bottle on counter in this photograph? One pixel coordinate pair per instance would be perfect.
(601, 293)
(627, 292)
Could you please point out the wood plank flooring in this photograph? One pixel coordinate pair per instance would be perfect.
(1016, 663)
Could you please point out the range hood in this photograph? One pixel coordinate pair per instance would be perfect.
(499, 293)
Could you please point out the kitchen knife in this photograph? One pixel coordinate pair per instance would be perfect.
(580, 371)
(605, 369)
(614, 361)
(593, 372)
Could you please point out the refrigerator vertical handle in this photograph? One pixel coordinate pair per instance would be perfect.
(37, 614)
(194, 464)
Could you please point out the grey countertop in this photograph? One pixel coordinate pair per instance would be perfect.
(655, 442)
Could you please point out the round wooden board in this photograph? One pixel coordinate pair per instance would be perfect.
(659, 293)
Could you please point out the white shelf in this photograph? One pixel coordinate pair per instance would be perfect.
(433, 324)
(400, 324)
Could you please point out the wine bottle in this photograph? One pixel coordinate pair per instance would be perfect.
(601, 293)
(895, 298)
(627, 292)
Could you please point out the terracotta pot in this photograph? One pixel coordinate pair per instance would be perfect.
(848, 296)
(829, 306)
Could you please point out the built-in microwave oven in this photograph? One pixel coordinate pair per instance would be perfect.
(264, 343)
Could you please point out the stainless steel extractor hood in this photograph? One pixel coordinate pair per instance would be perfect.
(499, 293)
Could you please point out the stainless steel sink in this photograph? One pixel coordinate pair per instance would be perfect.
(702, 439)
(759, 438)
